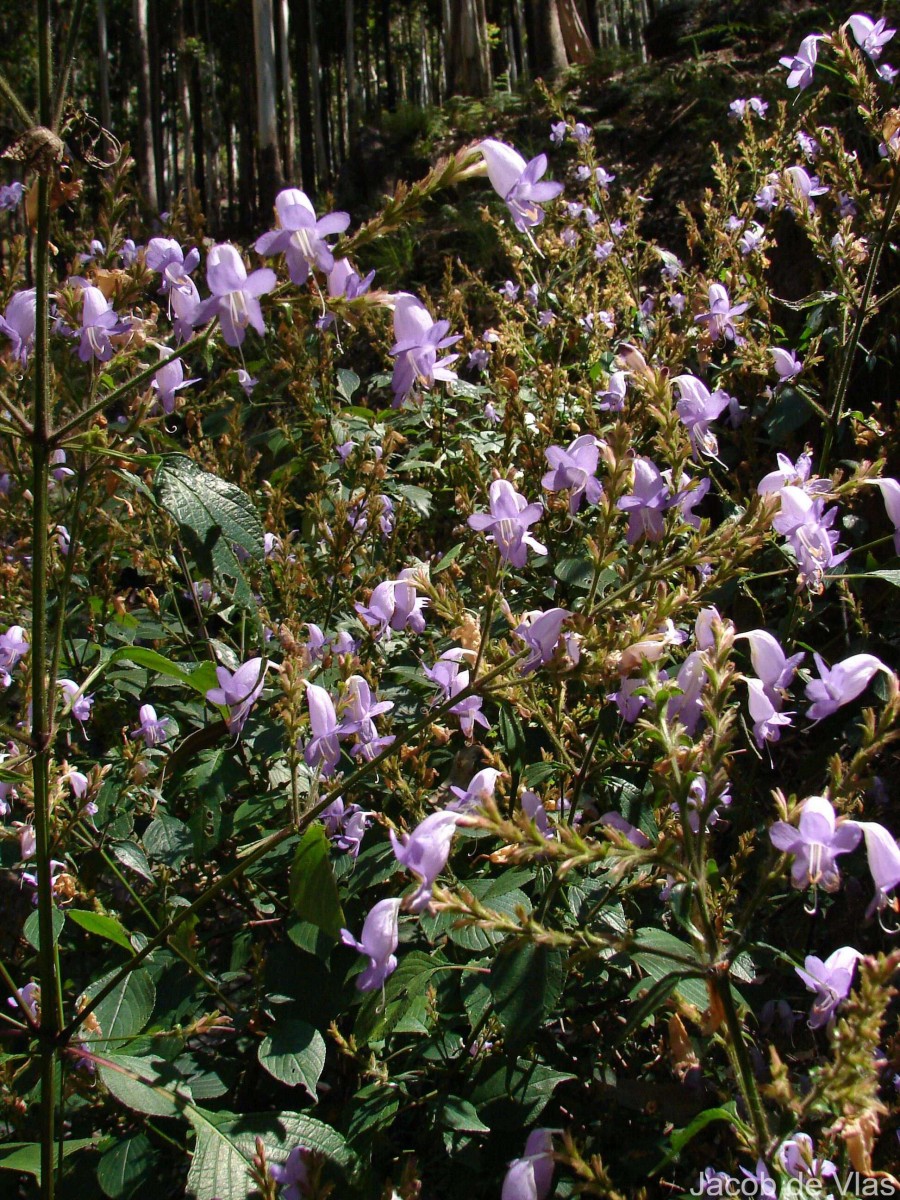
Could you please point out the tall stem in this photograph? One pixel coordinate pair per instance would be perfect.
(42, 718)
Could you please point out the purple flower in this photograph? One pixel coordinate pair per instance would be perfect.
(698, 810)
(718, 320)
(344, 280)
(629, 704)
(888, 73)
(790, 475)
(751, 239)
(30, 997)
(478, 359)
(345, 826)
(77, 781)
(358, 516)
(613, 398)
(235, 294)
(379, 941)
(152, 729)
(603, 177)
(534, 810)
(689, 495)
(424, 852)
(322, 750)
(168, 380)
(764, 713)
(830, 980)
(575, 470)
(840, 684)
(871, 36)
(18, 323)
(558, 131)
(531, 1177)
(816, 843)
(13, 647)
(244, 378)
(802, 519)
(81, 705)
(395, 605)
(166, 256)
(883, 854)
(796, 1158)
(648, 501)
(510, 291)
(540, 632)
(509, 519)
(360, 708)
(787, 364)
(415, 350)
(477, 791)
(698, 408)
(801, 65)
(98, 323)
(239, 691)
(810, 147)
(452, 679)
(688, 706)
(804, 186)
(11, 196)
(774, 668)
(293, 1175)
(516, 182)
(890, 494)
(301, 237)
(581, 133)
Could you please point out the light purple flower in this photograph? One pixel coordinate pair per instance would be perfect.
(168, 380)
(649, 499)
(603, 250)
(629, 704)
(830, 980)
(581, 133)
(688, 706)
(322, 750)
(804, 186)
(30, 997)
(603, 177)
(424, 852)
(751, 239)
(801, 65)
(239, 691)
(558, 131)
(379, 940)
(698, 810)
(81, 705)
(415, 351)
(18, 323)
(871, 36)
(791, 475)
(802, 519)
(346, 826)
(166, 256)
(575, 470)
(235, 294)
(887, 73)
(531, 1177)
(516, 182)
(344, 280)
(774, 668)
(98, 323)
(395, 604)
(890, 494)
(787, 364)
(797, 1158)
(292, 1174)
(817, 841)
(449, 676)
(510, 291)
(765, 713)
(359, 708)
(540, 632)
(698, 408)
(613, 398)
(11, 196)
(301, 237)
(883, 854)
(534, 810)
(477, 791)
(718, 320)
(508, 521)
(13, 648)
(152, 729)
(840, 684)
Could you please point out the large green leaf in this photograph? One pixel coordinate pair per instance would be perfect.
(146, 1085)
(213, 517)
(226, 1144)
(313, 890)
(25, 1157)
(32, 927)
(102, 926)
(124, 1012)
(294, 1053)
(168, 840)
(126, 1167)
(382, 1012)
(526, 982)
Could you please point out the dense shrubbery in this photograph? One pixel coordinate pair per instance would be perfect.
(461, 732)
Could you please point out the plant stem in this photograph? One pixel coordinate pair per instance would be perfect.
(722, 986)
(68, 59)
(862, 313)
(9, 95)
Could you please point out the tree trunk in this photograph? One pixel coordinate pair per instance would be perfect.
(546, 38)
(388, 56)
(315, 84)
(270, 177)
(288, 132)
(520, 38)
(195, 88)
(157, 95)
(103, 64)
(575, 36)
(351, 76)
(468, 56)
(145, 157)
(300, 18)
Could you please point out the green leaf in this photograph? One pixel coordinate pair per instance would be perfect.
(124, 1012)
(226, 1143)
(661, 955)
(404, 988)
(102, 926)
(125, 1167)
(526, 982)
(294, 1053)
(313, 891)
(25, 1157)
(133, 857)
(451, 556)
(168, 840)
(146, 1085)
(213, 517)
(32, 930)
(888, 576)
(577, 572)
(200, 676)
(347, 384)
(511, 1096)
(461, 1115)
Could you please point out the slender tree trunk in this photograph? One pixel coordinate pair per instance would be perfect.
(388, 55)
(270, 177)
(575, 36)
(246, 173)
(195, 91)
(212, 126)
(184, 107)
(315, 84)
(103, 64)
(145, 157)
(468, 56)
(156, 106)
(304, 96)
(352, 88)
(288, 130)
(546, 37)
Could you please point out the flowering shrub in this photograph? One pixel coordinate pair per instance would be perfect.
(421, 779)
